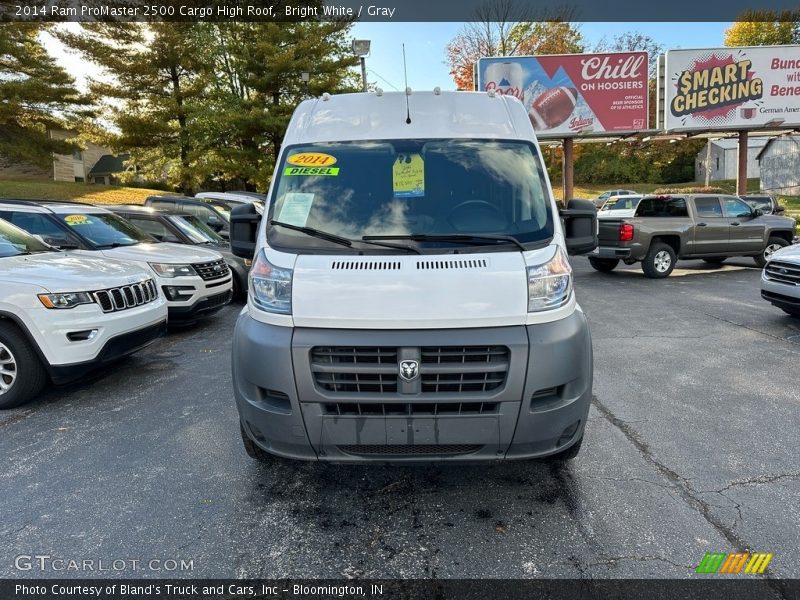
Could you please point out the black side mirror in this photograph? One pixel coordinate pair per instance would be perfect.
(580, 226)
(243, 231)
(757, 212)
(779, 209)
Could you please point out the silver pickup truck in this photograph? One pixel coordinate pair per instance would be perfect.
(711, 227)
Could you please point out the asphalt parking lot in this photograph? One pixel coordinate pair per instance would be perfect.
(691, 448)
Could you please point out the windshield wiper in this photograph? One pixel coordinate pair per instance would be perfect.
(337, 239)
(455, 237)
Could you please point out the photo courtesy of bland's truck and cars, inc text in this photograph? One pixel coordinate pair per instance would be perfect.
(503, 301)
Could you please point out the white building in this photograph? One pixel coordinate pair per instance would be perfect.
(724, 159)
(780, 166)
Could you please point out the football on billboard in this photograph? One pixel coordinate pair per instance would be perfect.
(552, 107)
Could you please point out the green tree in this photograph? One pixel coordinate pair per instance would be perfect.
(764, 28)
(36, 95)
(152, 84)
(255, 85)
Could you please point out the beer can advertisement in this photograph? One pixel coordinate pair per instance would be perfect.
(573, 94)
(730, 88)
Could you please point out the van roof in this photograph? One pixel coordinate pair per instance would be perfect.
(370, 116)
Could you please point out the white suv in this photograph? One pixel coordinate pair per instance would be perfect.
(195, 281)
(62, 316)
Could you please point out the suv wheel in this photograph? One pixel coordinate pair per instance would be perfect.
(660, 261)
(773, 244)
(604, 265)
(21, 373)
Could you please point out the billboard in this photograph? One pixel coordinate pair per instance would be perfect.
(569, 94)
(729, 88)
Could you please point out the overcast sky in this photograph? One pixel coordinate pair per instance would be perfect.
(425, 48)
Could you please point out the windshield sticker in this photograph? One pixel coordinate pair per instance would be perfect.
(408, 176)
(76, 220)
(311, 159)
(333, 171)
(295, 209)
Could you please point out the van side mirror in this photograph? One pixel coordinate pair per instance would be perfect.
(243, 230)
(580, 226)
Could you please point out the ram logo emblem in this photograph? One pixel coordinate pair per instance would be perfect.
(409, 370)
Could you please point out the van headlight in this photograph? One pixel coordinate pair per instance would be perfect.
(550, 284)
(271, 286)
(70, 300)
(170, 270)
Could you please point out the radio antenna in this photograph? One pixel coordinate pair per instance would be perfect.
(405, 76)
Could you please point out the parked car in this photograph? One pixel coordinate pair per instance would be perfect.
(767, 204)
(62, 316)
(780, 280)
(619, 206)
(183, 228)
(411, 298)
(195, 281)
(214, 214)
(689, 226)
(225, 202)
(601, 199)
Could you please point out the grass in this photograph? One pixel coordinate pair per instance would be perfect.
(80, 192)
(594, 190)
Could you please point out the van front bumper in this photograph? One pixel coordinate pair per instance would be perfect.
(539, 409)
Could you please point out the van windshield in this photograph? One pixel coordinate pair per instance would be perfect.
(434, 188)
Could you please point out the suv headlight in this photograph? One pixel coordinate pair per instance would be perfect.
(69, 300)
(271, 286)
(169, 270)
(550, 284)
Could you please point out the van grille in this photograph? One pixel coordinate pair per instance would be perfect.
(209, 271)
(442, 369)
(410, 450)
(127, 296)
(416, 409)
(783, 272)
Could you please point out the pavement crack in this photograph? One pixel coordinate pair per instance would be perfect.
(753, 329)
(683, 488)
(760, 480)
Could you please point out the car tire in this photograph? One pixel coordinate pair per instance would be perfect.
(22, 375)
(659, 262)
(604, 265)
(714, 261)
(773, 244)
(253, 450)
(567, 454)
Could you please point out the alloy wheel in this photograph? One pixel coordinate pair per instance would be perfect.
(662, 261)
(8, 369)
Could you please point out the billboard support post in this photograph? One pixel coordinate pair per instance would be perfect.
(741, 181)
(567, 171)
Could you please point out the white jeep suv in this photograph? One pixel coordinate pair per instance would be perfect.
(62, 316)
(195, 281)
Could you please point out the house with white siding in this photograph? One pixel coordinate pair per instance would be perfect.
(779, 163)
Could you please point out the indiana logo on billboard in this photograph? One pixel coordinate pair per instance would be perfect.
(734, 563)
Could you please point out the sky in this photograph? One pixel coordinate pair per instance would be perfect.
(425, 48)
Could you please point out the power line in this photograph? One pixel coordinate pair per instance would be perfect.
(386, 81)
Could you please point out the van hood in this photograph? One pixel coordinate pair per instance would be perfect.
(69, 273)
(162, 252)
(410, 292)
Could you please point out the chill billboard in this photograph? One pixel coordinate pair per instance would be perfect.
(730, 88)
(572, 94)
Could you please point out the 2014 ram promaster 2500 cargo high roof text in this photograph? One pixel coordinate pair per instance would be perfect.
(411, 298)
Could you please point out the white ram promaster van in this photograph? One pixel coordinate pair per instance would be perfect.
(411, 298)
(61, 316)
